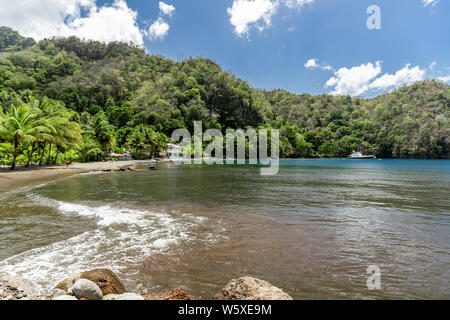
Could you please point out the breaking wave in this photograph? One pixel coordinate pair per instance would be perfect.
(123, 237)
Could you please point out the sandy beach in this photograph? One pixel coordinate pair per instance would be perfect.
(27, 177)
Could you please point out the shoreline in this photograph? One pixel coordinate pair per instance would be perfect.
(30, 177)
(21, 178)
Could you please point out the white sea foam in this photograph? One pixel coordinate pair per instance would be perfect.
(108, 215)
(124, 237)
(90, 173)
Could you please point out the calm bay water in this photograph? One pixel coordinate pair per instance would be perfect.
(312, 230)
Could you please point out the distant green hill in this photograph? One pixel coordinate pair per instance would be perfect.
(134, 89)
(11, 40)
(411, 122)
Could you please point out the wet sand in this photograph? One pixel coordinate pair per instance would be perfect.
(33, 176)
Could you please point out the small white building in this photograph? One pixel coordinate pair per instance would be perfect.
(174, 151)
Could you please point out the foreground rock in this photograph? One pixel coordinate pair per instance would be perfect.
(125, 296)
(175, 294)
(65, 298)
(248, 288)
(103, 284)
(14, 289)
(86, 289)
(105, 279)
(58, 292)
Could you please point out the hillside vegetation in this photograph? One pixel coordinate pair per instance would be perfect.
(11, 40)
(116, 96)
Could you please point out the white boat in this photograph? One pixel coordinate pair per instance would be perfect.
(359, 156)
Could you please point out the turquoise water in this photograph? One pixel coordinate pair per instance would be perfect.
(377, 164)
(312, 230)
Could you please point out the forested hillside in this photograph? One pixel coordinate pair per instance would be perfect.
(116, 96)
(411, 122)
(11, 40)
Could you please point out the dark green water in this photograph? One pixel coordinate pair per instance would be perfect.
(312, 230)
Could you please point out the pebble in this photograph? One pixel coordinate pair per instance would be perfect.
(59, 292)
(66, 298)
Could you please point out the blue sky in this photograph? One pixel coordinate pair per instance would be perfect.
(312, 46)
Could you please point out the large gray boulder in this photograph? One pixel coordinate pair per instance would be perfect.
(86, 289)
(248, 288)
(125, 296)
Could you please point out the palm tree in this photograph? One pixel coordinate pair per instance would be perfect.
(2, 117)
(50, 115)
(146, 141)
(21, 124)
(90, 149)
(63, 132)
(98, 136)
(137, 138)
(44, 107)
(103, 131)
(67, 134)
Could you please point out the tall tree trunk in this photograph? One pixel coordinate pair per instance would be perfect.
(30, 155)
(49, 154)
(16, 146)
(42, 154)
(56, 157)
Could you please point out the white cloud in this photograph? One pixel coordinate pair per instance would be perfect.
(313, 64)
(426, 3)
(115, 23)
(444, 79)
(401, 77)
(158, 30)
(433, 65)
(40, 19)
(48, 18)
(360, 79)
(246, 13)
(291, 4)
(166, 9)
(354, 81)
